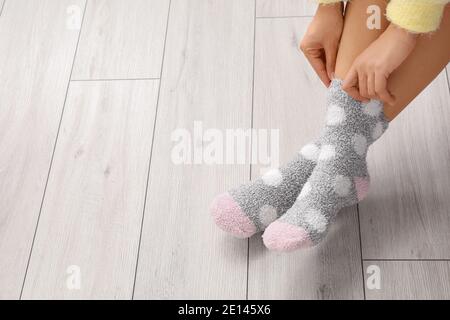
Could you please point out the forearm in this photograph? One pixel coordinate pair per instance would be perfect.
(417, 16)
(328, 1)
(330, 7)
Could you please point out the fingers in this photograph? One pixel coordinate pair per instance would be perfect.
(377, 88)
(361, 87)
(350, 85)
(381, 89)
(362, 83)
(351, 79)
(371, 86)
(315, 58)
(330, 56)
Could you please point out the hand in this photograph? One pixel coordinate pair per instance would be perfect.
(367, 78)
(321, 41)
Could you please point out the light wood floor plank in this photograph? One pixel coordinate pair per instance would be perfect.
(448, 75)
(36, 56)
(289, 97)
(122, 39)
(285, 8)
(93, 206)
(407, 215)
(410, 280)
(207, 77)
(1, 6)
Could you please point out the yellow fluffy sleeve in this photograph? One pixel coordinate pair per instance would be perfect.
(416, 15)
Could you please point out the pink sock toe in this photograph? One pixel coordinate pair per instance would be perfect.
(280, 236)
(229, 217)
(362, 187)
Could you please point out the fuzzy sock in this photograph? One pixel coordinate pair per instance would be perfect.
(340, 178)
(250, 208)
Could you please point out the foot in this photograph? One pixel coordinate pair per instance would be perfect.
(340, 178)
(250, 208)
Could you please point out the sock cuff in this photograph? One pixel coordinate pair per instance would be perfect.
(366, 118)
(337, 94)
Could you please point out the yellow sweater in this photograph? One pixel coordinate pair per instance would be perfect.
(417, 16)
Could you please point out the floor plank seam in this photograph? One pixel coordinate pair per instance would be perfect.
(448, 79)
(361, 253)
(151, 150)
(284, 17)
(1, 9)
(409, 260)
(53, 152)
(118, 79)
(251, 140)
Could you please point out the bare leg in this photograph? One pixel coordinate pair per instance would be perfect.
(428, 58)
(340, 177)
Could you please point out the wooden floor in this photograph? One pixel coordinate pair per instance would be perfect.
(90, 94)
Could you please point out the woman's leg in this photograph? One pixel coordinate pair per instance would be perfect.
(429, 57)
(356, 36)
(341, 178)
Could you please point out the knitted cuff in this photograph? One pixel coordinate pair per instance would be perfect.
(417, 16)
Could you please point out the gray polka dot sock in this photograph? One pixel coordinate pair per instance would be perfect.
(250, 208)
(340, 178)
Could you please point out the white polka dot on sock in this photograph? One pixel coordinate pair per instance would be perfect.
(335, 115)
(372, 108)
(327, 152)
(316, 220)
(268, 214)
(342, 185)
(305, 190)
(359, 144)
(377, 131)
(273, 178)
(310, 151)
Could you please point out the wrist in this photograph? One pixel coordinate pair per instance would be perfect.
(330, 8)
(402, 35)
